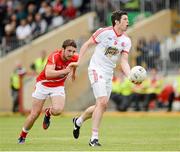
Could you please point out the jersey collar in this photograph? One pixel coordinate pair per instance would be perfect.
(118, 35)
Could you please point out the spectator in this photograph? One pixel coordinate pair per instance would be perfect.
(48, 15)
(101, 10)
(3, 12)
(70, 11)
(167, 96)
(58, 6)
(40, 25)
(138, 95)
(20, 13)
(85, 7)
(153, 52)
(31, 9)
(39, 63)
(43, 7)
(142, 51)
(154, 86)
(57, 19)
(13, 21)
(31, 22)
(9, 41)
(176, 91)
(15, 85)
(126, 93)
(169, 45)
(23, 32)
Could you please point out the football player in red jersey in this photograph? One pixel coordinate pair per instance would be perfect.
(50, 82)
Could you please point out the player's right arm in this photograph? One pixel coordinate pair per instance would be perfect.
(84, 48)
(94, 39)
(52, 73)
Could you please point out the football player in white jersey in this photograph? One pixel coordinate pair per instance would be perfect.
(111, 42)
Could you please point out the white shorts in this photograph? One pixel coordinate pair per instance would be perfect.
(100, 83)
(42, 92)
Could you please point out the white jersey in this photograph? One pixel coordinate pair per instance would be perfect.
(109, 47)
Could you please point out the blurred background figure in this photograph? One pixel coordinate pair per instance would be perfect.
(154, 85)
(138, 95)
(142, 51)
(126, 94)
(17, 74)
(40, 62)
(153, 55)
(175, 93)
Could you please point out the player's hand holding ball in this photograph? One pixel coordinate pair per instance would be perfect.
(137, 75)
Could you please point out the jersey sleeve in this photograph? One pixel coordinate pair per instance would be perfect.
(98, 35)
(127, 45)
(51, 59)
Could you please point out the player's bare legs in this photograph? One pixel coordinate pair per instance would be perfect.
(56, 109)
(37, 106)
(87, 114)
(100, 108)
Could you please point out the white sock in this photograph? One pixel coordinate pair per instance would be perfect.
(24, 130)
(94, 134)
(79, 121)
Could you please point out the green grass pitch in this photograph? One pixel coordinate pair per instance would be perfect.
(118, 132)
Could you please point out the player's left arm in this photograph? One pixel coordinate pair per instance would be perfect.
(124, 63)
(124, 57)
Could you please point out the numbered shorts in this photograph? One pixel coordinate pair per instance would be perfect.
(42, 92)
(100, 83)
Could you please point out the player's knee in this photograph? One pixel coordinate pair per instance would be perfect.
(103, 103)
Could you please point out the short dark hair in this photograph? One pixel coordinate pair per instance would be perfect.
(116, 15)
(69, 42)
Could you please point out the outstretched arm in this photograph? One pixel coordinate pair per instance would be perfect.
(84, 48)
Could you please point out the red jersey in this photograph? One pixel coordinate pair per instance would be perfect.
(55, 58)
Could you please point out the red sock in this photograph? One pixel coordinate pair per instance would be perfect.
(48, 112)
(23, 134)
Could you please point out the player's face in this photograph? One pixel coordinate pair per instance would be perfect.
(124, 22)
(69, 52)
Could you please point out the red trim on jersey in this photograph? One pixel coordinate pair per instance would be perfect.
(124, 51)
(94, 40)
(95, 75)
(101, 30)
(118, 35)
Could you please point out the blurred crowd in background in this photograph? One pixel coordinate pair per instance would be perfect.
(22, 21)
(154, 53)
(157, 92)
